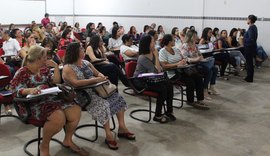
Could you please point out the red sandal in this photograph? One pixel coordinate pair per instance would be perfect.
(111, 144)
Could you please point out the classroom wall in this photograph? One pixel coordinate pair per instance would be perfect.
(224, 14)
(21, 11)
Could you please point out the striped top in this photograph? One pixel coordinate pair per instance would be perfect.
(165, 56)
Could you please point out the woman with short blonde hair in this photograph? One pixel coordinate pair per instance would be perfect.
(54, 112)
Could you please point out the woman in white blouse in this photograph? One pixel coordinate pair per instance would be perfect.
(115, 41)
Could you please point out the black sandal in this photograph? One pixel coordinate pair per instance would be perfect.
(161, 119)
(201, 105)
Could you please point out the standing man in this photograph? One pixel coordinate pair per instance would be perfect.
(250, 45)
(45, 20)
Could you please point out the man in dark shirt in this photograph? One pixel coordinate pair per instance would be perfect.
(250, 44)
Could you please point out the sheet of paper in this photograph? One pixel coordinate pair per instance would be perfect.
(150, 74)
(53, 90)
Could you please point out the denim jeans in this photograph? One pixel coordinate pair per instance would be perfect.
(237, 55)
(209, 72)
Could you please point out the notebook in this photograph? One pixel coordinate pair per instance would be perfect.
(53, 90)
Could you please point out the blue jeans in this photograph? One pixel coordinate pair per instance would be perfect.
(209, 72)
(238, 56)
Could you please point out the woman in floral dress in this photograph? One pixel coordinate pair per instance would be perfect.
(78, 72)
(54, 112)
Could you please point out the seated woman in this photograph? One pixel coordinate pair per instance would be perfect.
(128, 50)
(232, 42)
(65, 40)
(209, 71)
(29, 41)
(170, 57)
(79, 72)
(17, 34)
(39, 34)
(50, 45)
(160, 32)
(154, 34)
(55, 112)
(175, 33)
(76, 27)
(115, 41)
(215, 35)
(236, 56)
(241, 37)
(96, 52)
(148, 63)
(104, 35)
(135, 35)
(221, 57)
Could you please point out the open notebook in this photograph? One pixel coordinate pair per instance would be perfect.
(53, 90)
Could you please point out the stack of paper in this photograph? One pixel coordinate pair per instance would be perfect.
(53, 90)
(3, 77)
(150, 74)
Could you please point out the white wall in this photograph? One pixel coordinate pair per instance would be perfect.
(128, 13)
(139, 7)
(104, 10)
(236, 8)
(62, 7)
(21, 11)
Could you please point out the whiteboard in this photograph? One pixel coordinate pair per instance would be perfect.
(21, 12)
(139, 7)
(60, 7)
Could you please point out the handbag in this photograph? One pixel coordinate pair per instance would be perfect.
(68, 94)
(106, 90)
(190, 71)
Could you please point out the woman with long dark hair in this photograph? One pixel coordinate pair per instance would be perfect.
(96, 52)
(79, 72)
(148, 62)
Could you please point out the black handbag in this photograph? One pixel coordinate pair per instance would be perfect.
(190, 71)
(68, 94)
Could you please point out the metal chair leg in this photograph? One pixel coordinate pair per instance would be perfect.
(113, 122)
(3, 116)
(182, 98)
(96, 130)
(38, 142)
(143, 110)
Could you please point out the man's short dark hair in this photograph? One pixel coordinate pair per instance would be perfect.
(252, 18)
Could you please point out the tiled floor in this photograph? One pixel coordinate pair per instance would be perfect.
(236, 125)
